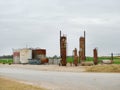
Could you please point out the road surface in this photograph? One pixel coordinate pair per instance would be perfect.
(64, 80)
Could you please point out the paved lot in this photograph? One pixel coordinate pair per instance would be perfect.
(54, 80)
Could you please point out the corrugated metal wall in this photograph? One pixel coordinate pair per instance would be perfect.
(25, 54)
(54, 61)
(16, 56)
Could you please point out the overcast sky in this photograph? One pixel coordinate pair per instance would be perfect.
(36, 23)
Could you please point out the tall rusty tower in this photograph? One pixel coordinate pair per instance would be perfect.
(63, 49)
(82, 52)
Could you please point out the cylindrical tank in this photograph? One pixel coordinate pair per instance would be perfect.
(25, 55)
(44, 60)
(38, 53)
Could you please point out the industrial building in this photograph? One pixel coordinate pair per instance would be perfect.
(29, 55)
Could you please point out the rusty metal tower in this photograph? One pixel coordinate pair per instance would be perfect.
(63, 49)
(75, 57)
(82, 52)
(95, 56)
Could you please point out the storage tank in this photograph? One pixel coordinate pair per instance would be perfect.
(16, 56)
(25, 55)
(38, 53)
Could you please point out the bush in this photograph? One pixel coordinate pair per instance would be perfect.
(10, 63)
(3, 62)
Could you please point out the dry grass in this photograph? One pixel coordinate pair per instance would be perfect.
(104, 68)
(6, 84)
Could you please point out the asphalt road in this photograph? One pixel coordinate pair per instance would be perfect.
(64, 80)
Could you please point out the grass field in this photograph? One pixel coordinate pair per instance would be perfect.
(6, 84)
(6, 61)
(69, 59)
(116, 59)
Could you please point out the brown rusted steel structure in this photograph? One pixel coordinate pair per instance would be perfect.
(75, 57)
(63, 49)
(82, 55)
(95, 56)
(38, 53)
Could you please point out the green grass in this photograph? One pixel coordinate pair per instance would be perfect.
(89, 58)
(69, 59)
(116, 59)
(6, 61)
